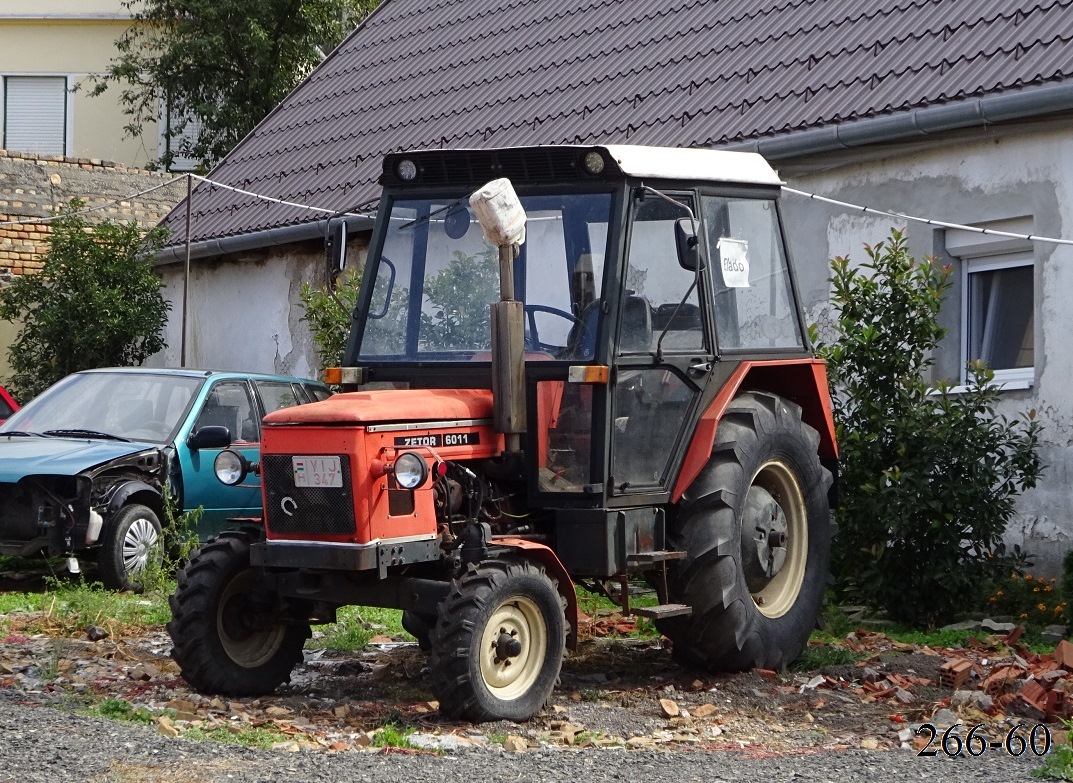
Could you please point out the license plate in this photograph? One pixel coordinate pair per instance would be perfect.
(317, 472)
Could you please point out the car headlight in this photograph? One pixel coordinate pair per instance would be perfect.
(410, 470)
(231, 467)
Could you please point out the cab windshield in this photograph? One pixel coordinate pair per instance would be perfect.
(437, 276)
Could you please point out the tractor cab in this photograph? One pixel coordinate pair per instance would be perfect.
(640, 269)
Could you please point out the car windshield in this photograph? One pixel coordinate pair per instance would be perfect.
(438, 274)
(134, 406)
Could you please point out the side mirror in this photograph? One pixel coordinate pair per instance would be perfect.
(211, 437)
(685, 240)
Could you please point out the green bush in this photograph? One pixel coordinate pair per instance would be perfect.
(927, 477)
(95, 303)
(327, 311)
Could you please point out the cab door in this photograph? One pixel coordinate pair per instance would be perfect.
(663, 349)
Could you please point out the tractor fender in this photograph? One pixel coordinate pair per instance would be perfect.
(544, 555)
(804, 381)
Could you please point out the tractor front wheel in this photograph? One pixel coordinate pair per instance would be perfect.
(498, 642)
(756, 527)
(226, 633)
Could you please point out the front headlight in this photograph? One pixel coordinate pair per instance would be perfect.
(410, 470)
(231, 467)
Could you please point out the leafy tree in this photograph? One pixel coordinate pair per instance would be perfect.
(459, 317)
(96, 302)
(221, 63)
(928, 477)
(327, 311)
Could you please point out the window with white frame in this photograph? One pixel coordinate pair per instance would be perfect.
(997, 299)
(35, 114)
(999, 314)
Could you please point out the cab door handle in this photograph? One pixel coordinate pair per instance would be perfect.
(700, 367)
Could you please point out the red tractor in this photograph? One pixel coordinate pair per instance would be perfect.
(571, 365)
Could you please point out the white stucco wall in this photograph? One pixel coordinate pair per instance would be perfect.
(978, 177)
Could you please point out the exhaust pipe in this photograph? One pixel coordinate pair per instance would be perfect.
(502, 217)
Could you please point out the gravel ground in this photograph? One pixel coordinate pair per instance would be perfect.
(41, 743)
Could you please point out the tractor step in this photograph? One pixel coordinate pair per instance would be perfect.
(641, 561)
(663, 611)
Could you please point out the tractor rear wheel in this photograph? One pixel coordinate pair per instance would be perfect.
(756, 528)
(498, 643)
(226, 633)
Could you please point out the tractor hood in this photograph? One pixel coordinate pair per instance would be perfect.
(27, 455)
(390, 405)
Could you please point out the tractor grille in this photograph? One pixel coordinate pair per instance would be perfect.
(314, 510)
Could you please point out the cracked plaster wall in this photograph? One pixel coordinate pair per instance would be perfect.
(244, 310)
(970, 179)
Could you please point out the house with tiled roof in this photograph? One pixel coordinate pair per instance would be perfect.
(946, 109)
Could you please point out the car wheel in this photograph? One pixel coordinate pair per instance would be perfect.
(131, 544)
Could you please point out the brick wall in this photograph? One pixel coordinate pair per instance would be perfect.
(35, 186)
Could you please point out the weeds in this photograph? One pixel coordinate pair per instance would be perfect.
(1058, 764)
(121, 710)
(393, 735)
(355, 626)
(252, 737)
(818, 655)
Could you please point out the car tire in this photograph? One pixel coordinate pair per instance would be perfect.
(132, 543)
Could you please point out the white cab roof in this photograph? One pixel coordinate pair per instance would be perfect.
(693, 164)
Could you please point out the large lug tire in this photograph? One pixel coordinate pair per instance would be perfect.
(131, 543)
(756, 527)
(226, 634)
(497, 647)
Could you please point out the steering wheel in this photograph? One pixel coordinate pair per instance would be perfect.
(533, 339)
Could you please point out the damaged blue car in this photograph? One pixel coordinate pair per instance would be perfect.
(84, 466)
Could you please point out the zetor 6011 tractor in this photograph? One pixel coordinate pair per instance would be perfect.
(569, 365)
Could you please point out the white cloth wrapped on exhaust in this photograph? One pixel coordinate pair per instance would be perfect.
(499, 212)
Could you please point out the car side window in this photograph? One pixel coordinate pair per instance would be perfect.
(317, 393)
(276, 395)
(229, 405)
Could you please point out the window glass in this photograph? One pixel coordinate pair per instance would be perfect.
(564, 435)
(35, 114)
(438, 275)
(656, 284)
(276, 395)
(1000, 313)
(650, 409)
(229, 405)
(752, 296)
(317, 393)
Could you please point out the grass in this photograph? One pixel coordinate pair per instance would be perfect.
(356, 625)
(393, 735)
(121, 710)
(820, 655)
(252, 737)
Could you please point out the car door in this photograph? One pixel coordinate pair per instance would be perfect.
(228, 402)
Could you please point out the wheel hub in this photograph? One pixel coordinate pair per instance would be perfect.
(763, 539)
(507, 646)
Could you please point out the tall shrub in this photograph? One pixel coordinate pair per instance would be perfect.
(95, 303)
(327, 311)
(928, 476)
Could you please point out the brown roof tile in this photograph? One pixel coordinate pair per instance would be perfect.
(480, 73)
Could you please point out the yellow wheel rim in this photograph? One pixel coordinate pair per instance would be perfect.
(513, 647)
(777, 597)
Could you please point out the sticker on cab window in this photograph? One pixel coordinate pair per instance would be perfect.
(734, 261)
